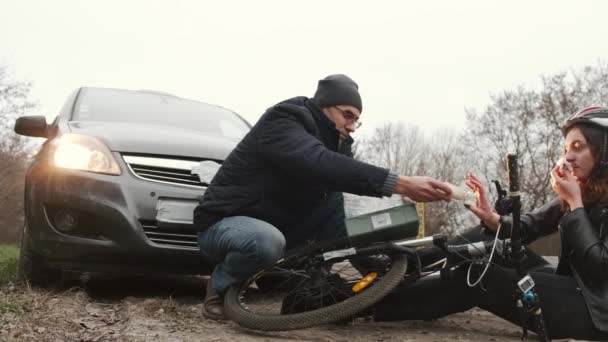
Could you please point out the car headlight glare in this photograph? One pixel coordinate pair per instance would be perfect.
(81, 152)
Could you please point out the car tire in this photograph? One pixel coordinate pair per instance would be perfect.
(31, 267)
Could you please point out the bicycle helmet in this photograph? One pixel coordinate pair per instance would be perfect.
(593, 116)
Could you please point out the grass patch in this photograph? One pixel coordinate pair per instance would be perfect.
(8, 263)
(10, 307)
(8, 273)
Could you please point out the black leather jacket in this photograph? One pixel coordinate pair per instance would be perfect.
(584, 250)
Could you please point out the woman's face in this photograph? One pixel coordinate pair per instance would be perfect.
(578, 153)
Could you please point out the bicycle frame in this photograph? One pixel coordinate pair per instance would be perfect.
(511, 249)
(311, 265)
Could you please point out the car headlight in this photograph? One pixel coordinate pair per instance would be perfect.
(81, 152)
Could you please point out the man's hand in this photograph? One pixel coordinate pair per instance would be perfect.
(406, 199)
(423, 189)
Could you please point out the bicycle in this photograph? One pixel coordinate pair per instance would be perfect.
(317, 284)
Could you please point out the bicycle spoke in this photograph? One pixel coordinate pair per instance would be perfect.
(295, 287)
(282, 298)
(262, 302)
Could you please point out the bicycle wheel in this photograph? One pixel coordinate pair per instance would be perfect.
(302, 290)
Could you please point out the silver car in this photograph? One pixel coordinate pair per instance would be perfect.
(115, 183)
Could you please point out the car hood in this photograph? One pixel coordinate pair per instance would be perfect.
(154, 139)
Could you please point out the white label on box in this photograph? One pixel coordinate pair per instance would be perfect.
(381, 220)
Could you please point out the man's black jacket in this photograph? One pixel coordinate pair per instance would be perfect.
(584, 250)
(283, 169)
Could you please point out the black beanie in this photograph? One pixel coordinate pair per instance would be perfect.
(336, 90)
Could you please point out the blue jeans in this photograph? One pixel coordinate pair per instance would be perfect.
(239, 246)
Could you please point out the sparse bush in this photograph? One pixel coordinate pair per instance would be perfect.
(12, 178)
(14, 102)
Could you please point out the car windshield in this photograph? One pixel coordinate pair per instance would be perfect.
(98, 104)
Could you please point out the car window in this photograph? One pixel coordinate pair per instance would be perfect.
(96, 104)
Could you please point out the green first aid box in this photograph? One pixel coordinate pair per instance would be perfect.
(397, 223)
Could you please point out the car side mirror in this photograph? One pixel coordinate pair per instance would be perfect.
(32, 126)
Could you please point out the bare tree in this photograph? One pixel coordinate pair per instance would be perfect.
(386, 148)
(12, 176)
(521, 120)
(406, 150)
(395, 146)
(447, 160)
(15, 101)
(527, 122)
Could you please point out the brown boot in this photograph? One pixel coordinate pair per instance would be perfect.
(213, 306)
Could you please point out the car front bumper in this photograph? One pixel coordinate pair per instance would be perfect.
(115, 227)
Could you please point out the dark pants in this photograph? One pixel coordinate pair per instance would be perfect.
(563, 305)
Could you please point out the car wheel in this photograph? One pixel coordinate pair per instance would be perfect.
(31, 267)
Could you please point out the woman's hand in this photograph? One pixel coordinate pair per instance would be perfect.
(566, 186)
(482, 209)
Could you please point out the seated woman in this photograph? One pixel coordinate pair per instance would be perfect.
(573, 296)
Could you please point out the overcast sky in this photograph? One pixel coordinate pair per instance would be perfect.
(421, 62)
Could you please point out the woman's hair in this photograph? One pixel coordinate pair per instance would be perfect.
(596, 187)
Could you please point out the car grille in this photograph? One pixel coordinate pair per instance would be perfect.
(165, 170)
(179, 236)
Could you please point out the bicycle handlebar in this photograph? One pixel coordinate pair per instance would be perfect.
(468, 250)
(512, 169)
(471, 250)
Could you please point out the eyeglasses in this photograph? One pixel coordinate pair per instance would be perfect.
(350, 116)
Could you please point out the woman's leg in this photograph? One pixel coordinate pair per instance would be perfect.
(428, 298)
(563, 306)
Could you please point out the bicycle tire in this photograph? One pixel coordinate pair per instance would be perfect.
(237, 311)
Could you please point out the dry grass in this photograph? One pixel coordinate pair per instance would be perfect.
(76, 314)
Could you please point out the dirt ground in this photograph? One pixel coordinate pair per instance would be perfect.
(152, 309)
